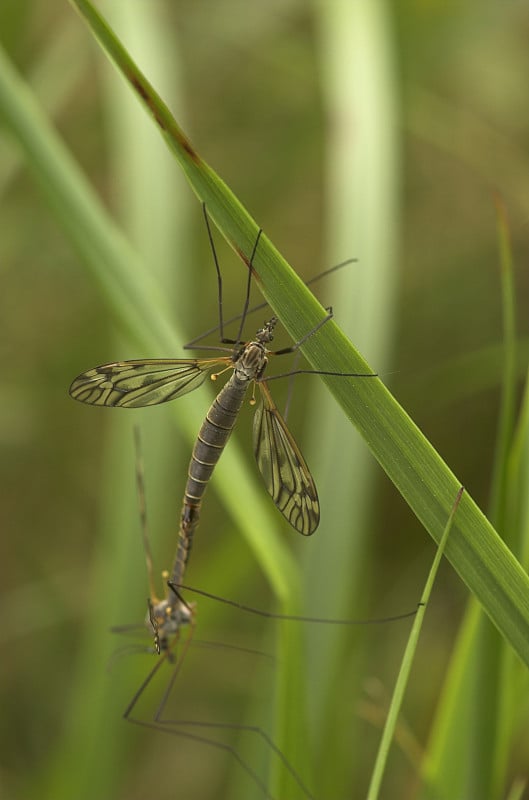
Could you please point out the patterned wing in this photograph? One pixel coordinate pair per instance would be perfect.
(133, 384)
(284, 470)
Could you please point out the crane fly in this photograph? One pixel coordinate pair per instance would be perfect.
(146, 382)
(165, 619)
(134, 384)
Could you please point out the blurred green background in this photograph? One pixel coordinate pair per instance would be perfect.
(379, 132)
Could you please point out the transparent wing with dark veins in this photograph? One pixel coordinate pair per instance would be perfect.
(284, 470)
(133, 384)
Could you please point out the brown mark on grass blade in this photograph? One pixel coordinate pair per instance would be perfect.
(143, 90)
(166, 123)
(187, 146)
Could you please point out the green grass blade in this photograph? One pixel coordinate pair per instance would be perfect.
(407, 661)
(486, 769)
(480, 666)
(452, 729)
(475, 550)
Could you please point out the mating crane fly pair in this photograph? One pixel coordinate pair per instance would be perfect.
(138, 383)
(146, 382)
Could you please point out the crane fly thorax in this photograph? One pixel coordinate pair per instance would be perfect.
(251, 362)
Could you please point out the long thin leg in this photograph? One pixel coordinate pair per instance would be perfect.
(248, 288)
(290, 388)
(319, 372)
(162, 725)
(217, 268)
(171, 726)
(264, 304)
(227, 748)
(293, 617)
(224, 726)
(297, 345)
(242, 729)
(220, 327)
(294, 347)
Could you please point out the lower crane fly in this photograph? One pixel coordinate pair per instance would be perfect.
(165, 619)
(147, 382)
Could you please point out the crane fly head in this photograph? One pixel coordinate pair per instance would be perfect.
(266, 334)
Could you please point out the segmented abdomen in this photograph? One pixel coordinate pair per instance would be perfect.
(213, 435)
